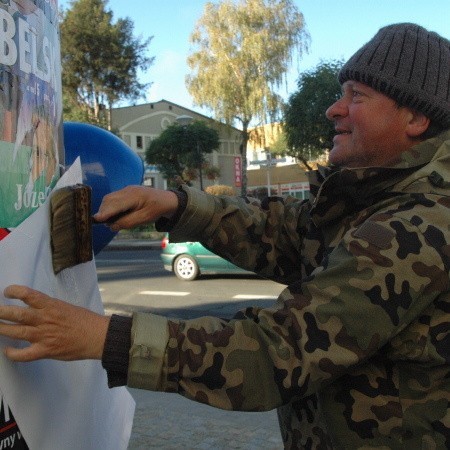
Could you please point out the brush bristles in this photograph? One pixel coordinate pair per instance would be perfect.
(71, 230)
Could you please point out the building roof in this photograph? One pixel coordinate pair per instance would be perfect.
(137, 112)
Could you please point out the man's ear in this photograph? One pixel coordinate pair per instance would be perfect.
(417, 124)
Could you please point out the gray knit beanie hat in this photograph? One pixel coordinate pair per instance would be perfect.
(408, 64)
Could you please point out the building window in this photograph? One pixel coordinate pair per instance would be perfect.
(149, 181)
(223, 148)
(127, 139)
(139, 142)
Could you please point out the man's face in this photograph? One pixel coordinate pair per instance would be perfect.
(43, 152)
(371, 128)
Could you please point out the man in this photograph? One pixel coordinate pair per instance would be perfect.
(355, 353)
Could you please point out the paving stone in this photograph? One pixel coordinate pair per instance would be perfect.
(169, 421)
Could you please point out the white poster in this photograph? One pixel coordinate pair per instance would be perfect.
(59, 405)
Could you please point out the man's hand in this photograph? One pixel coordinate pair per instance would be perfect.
(136, 205)
(55, 329)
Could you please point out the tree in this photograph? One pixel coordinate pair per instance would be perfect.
(279, 145)
(179, 151)
(308, 132)
(100, 61)
(244, 49)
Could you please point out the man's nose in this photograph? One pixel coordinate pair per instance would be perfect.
(338, 109)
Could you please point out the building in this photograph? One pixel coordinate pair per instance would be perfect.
(138, 125)
(289, 179)
(260, 144)
(279, 175)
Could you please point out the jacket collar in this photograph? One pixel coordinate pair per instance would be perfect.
(335, 192)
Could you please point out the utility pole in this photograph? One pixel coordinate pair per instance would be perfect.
(268, 165)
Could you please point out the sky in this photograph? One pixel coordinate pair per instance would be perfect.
(337, 28)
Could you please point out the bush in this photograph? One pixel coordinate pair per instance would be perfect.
(220, 189)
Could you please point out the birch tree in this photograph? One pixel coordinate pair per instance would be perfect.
(242, 50)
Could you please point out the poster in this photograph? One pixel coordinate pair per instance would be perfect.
(58, 405)
(10, 434)
(31, 149)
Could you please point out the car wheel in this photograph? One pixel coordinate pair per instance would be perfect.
(186, 268)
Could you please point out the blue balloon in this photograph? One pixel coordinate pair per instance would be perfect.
(107, 164)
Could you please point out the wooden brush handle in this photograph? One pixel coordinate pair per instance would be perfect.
(112, 219)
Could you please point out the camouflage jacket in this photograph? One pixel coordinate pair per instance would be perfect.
(356, 351)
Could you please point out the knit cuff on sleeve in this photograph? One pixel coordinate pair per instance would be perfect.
(115, 358)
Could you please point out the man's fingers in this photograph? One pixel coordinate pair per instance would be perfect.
(29, 296)
(17, 314)
(16, 291)
(13, 331)
(23, 333)
(55, 329)
(26, 354)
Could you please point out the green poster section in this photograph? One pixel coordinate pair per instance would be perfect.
(20, 192)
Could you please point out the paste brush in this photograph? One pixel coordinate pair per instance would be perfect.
(71, 226)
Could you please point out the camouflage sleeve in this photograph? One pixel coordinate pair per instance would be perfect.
(264, 237)
(368, 294)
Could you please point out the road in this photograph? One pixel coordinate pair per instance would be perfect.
(136, 280)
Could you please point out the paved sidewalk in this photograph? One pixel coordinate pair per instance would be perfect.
(171, 422)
